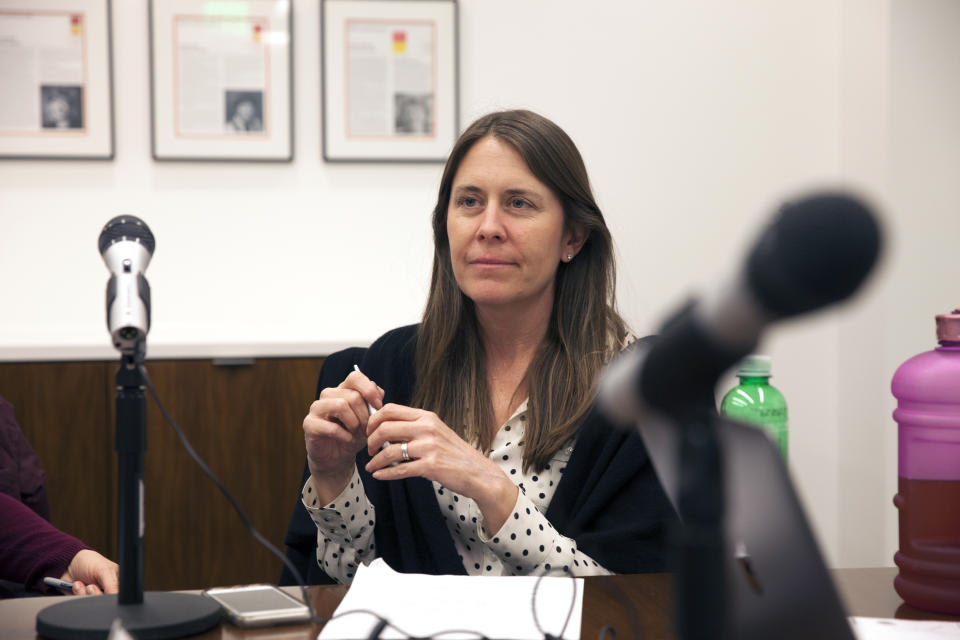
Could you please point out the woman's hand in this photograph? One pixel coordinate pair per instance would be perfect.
(335, 431)
(438, 454)
(92, 574)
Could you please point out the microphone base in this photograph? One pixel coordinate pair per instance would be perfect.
(160, 615)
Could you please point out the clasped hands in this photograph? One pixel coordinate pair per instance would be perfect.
(339, 425)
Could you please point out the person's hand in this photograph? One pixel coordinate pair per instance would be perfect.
(335, 431)
(92, 574)
(438, 454)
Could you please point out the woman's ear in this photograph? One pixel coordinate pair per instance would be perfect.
(573, 239)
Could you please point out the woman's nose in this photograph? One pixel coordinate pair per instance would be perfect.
(491, 223)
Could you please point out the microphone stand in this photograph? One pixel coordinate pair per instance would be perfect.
(145, 615)
(700, 591)
(131, 442)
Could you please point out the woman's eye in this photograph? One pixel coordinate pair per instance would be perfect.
(469, 201)
(518, 203)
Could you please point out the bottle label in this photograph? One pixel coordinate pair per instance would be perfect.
(771, 414)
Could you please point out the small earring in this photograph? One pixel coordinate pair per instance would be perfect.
(569, 257)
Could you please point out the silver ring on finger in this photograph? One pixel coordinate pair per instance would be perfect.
(404, 453)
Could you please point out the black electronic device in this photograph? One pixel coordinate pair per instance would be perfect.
(778, 585)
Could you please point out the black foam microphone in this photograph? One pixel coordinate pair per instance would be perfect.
(815, 252)
(126, 245)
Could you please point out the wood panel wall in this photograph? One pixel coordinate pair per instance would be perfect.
(244, 421)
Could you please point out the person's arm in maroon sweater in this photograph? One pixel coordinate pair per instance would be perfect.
(21, 475)
(32, 549)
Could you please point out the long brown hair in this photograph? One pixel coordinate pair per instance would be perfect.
(584, 326)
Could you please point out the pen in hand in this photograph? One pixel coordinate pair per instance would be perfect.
(373, 411)
(369, 406)
(59, 584)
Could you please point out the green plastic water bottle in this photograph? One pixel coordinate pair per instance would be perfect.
(756, 402)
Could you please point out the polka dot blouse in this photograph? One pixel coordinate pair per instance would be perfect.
(526, 544)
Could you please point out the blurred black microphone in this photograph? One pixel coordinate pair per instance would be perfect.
(815, 252)
(127, 245)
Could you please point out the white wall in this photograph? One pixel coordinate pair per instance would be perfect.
(865, 441)
(694, 118)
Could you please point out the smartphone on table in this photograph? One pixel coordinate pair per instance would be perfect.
(259, 605)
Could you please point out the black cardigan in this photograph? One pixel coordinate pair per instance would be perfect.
(609, 499)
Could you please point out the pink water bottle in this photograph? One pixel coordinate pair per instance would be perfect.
(927, 388)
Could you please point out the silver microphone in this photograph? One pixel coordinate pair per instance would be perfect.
(126, 245)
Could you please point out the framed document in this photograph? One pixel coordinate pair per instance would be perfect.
(221, 81)
(55, 75)
(389, 80)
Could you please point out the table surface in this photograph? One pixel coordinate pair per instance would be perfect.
(629, 603)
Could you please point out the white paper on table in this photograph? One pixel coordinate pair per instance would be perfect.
(422, 605)
(892, 629)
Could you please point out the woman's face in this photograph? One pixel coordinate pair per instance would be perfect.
(57, 109)
(505, 227)
(245, 110)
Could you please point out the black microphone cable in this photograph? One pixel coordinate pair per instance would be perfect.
(236, 507)
(607, 631)
(533, 606)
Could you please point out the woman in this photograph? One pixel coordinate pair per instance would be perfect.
(487, 405)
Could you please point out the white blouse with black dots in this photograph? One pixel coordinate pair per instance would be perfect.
(526, 544)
